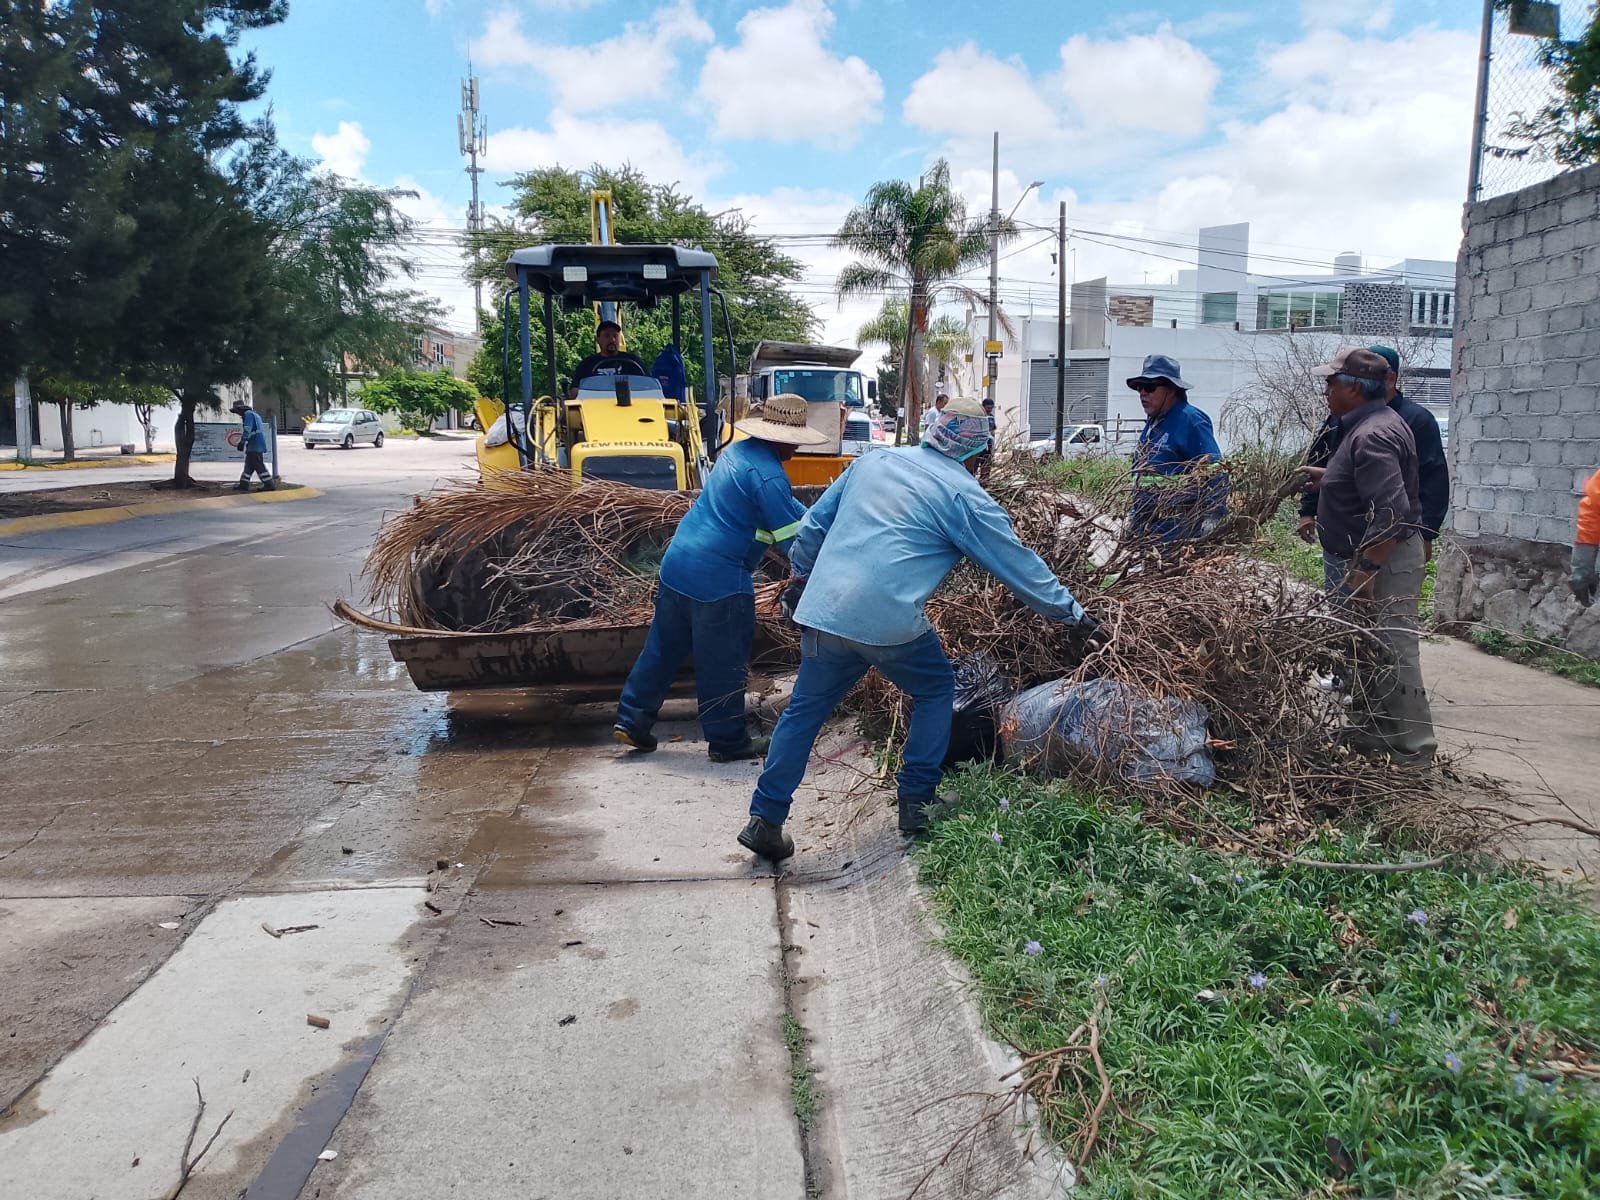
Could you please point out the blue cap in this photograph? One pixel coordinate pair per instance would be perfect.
(1159, 366)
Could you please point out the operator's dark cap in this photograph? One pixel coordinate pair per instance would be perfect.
(1354, 361)
(1389, 355)
(607, 325)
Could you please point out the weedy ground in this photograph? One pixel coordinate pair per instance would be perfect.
(1271, 1030)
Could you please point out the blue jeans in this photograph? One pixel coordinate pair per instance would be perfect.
(829, 667)
(718, 633)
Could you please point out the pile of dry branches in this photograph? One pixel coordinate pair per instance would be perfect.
(531, 551)
(1208, 623)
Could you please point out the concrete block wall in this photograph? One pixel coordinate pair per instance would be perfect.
(1525, 419)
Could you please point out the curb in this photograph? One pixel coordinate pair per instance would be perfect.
(84, 517)
(122, 460)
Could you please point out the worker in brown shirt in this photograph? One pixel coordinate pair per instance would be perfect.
(1369, 516)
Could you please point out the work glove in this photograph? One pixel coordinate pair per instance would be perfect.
(1094, 634)
(1584, 580)
(789, 598)
(1087, 636)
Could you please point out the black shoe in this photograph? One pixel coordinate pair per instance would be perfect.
(753, 748)
(914, 815)
(642, 742)
(268, 485)
(769, 841)
(242, 486)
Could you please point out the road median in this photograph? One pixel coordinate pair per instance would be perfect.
(82, 517)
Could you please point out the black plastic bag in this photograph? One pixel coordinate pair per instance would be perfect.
(981, 692)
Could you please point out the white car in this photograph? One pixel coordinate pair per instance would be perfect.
(1076, 441)
(344, 427)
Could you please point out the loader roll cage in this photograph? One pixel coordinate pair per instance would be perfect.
(578, 276)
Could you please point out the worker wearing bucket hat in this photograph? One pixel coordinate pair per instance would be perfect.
(870, 553)
(705, 605)
(1176, 496)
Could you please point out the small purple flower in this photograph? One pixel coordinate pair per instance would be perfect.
(996, 836)
(1005, 803)
(1394, 1017)
(1454, 1063)
(1417, 917)
(1033, 949)
(1257, 980)
(1100, 981)
(1194, 879)
(1238, 878)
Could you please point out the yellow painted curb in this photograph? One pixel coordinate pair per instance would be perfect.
(84, 517)
(122, 460)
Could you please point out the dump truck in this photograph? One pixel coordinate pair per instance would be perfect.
(836, 397)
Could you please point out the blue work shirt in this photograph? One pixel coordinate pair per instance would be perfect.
(887, 532)
(745, 509)
(254, 436)
(1174, 444)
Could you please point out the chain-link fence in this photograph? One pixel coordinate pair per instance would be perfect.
(1520, 86)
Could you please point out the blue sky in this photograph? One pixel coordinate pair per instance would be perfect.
(1328, 126)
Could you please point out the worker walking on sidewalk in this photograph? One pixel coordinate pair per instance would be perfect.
(867, 557)
(705, 604)
(1586, 545)
(1369, 520)
(253, 441)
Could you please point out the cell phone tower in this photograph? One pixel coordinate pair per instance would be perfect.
(472, 134)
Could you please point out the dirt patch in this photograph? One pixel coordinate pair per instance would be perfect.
(108, 495)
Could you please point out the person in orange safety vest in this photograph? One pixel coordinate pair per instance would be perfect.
(1584, 581)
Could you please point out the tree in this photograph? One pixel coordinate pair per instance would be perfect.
(919, 240)
(335, 248)
(1568, 126)
(945, 339)
(553, 205)
(94, 99)
(420, 397)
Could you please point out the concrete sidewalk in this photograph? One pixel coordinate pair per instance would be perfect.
(1539, 733)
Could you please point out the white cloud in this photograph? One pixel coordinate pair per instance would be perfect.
(1362, 15)
(1373, 161)
(435, 7)
(969, 91)
(345, 151)
(781, 82)
(640, 63)
(1150, 81)
(575, 142)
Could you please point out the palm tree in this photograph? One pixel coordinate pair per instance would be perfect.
(945, 340)
(918, 239)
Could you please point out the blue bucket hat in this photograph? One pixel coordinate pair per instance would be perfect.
(1159, 366)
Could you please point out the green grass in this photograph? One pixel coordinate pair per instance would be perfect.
(1279, 544)
(1392, 1040)
(1092, 475)
(1532, 651)
(802, 1083)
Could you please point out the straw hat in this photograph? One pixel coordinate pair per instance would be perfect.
(782, 419)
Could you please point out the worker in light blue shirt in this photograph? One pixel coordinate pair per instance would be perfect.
(705, 604)
(1175, 497)
(870, 553)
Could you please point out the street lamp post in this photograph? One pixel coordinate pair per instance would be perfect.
(991, 349)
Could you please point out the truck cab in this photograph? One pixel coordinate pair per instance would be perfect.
(836, 398)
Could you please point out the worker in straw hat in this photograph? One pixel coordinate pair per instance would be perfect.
(705, 605)
(867, 557)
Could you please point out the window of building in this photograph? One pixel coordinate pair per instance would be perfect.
(1432, 308)
(438, 352)
(1304, 310)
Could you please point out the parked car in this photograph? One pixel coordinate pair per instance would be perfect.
(344, 427)
(1076, 441)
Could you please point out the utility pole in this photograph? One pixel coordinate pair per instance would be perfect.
(991, 348)
(1061, 325)
(472, 135)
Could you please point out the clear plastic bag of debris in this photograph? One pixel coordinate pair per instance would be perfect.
(1061, 728)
